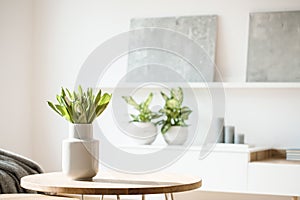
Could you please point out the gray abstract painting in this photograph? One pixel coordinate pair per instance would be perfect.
(200, 29)
(274, 47)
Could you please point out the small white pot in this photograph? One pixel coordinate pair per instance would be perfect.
(176, 135)
(80, 153)
(143, 133)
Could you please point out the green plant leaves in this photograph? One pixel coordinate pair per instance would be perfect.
(131, 101)
(80, 93)
(164, 96)
(165, 127)
(172, 104)
(53, 107)
(144, 113)
(64, 112)
(105, 99)
(98, 97)
(177, 93)
(81, 107)
(148, 100)
(173, 112)
(185, 112)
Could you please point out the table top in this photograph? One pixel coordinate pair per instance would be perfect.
(112, 183)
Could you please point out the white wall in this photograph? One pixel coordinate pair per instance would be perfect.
(15, 76)
(67, 31)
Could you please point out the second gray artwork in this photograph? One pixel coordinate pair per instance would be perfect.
(274, 47)
(201, 29)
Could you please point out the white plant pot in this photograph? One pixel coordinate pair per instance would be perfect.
(176, 135)
(143, 133)
(80, 153)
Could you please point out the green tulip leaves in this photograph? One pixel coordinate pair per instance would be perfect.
(81, 107)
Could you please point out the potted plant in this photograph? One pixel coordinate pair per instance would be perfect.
(80, 151)
(141, 128)
(173, 126)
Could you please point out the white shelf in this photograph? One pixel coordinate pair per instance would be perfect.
(212, 85)
(219, 147)
(261, 85)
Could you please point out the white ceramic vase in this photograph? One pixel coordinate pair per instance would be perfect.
(143, 133)
(176, 135)
(80, 153)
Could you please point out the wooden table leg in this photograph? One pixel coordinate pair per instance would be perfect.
(294, 198)
(143, 197)
(172, 197)
(118, 197)
(102, 197)
(167, 196)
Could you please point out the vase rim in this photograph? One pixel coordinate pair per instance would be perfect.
(143, 122)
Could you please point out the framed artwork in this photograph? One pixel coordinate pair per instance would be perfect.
(274, 47)
(201, 29)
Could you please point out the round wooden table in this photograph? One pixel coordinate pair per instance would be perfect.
(112, 183)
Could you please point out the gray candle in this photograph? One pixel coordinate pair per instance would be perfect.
(229, 134)
(220, 129)
(239, 138)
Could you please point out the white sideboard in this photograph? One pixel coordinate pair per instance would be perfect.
(236, 168)
(279, 178)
